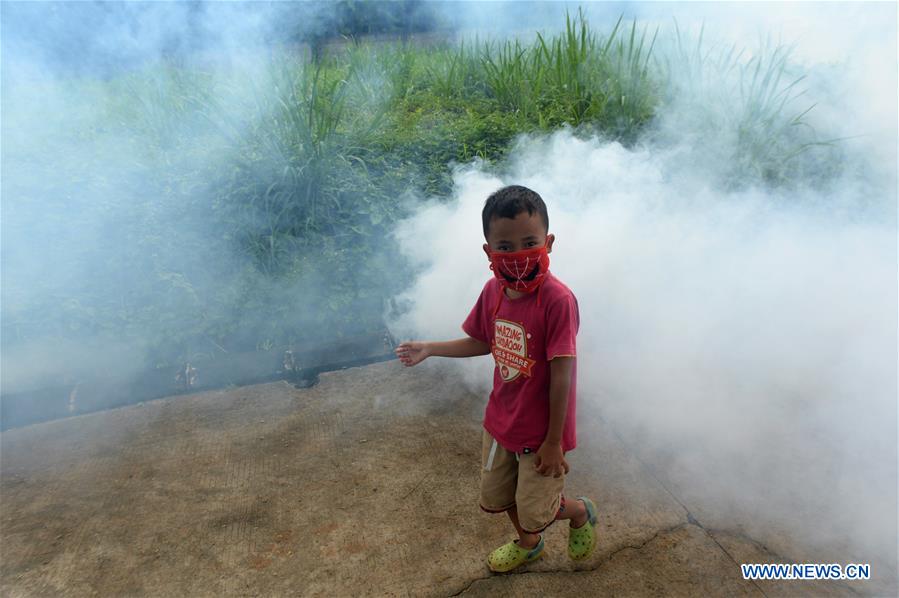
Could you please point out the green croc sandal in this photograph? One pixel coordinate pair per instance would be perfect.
(582, 540)
(511, 555)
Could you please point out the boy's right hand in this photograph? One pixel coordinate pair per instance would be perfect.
(412, 352)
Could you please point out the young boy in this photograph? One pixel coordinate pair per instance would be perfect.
(528, 319)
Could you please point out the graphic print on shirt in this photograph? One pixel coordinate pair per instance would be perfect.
(510, 350)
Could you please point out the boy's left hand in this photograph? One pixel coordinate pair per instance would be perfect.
(551, 460)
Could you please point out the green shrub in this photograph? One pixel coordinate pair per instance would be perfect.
(255, 206)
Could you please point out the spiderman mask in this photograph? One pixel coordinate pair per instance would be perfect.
(521, 271)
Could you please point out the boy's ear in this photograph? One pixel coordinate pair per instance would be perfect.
(487, 249)
(550, 238)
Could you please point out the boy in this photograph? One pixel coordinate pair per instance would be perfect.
(528, 319)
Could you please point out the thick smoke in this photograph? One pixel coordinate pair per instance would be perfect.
(741, 335)
(121, 125)
(80, 233)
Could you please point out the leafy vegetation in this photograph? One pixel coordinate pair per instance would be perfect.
(750, 110)
(251, 208)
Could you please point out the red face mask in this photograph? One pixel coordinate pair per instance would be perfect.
(521, 271)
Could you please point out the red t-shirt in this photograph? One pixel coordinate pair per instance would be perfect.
(524, 337)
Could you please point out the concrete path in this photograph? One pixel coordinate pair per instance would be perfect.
(365, 484)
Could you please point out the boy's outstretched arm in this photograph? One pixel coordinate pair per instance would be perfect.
(413, 352)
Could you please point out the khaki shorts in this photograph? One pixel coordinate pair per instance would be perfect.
(509, 479)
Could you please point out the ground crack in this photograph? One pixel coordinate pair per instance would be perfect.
(690, 518)
(606, 559)
(416, 487)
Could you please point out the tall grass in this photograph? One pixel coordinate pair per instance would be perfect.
(299, 168)
(455, 72)
(752, 109)
(295, 150)
(575, 78)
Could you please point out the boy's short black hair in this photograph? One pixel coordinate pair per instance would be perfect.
(510, 201)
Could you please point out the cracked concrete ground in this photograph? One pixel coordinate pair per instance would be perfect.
(364, 484)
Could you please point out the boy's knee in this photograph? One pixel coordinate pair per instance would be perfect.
(539, 497)
(536, 516)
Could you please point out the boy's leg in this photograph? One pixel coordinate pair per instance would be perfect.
(539, 498)
(525, 539)
(540, 502)
(499, 479)
(499, 476)
(573, 510)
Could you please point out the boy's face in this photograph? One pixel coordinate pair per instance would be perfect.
(525, 231)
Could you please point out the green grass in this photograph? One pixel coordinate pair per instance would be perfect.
(754, 107)
(258, 206)
(576, 78)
